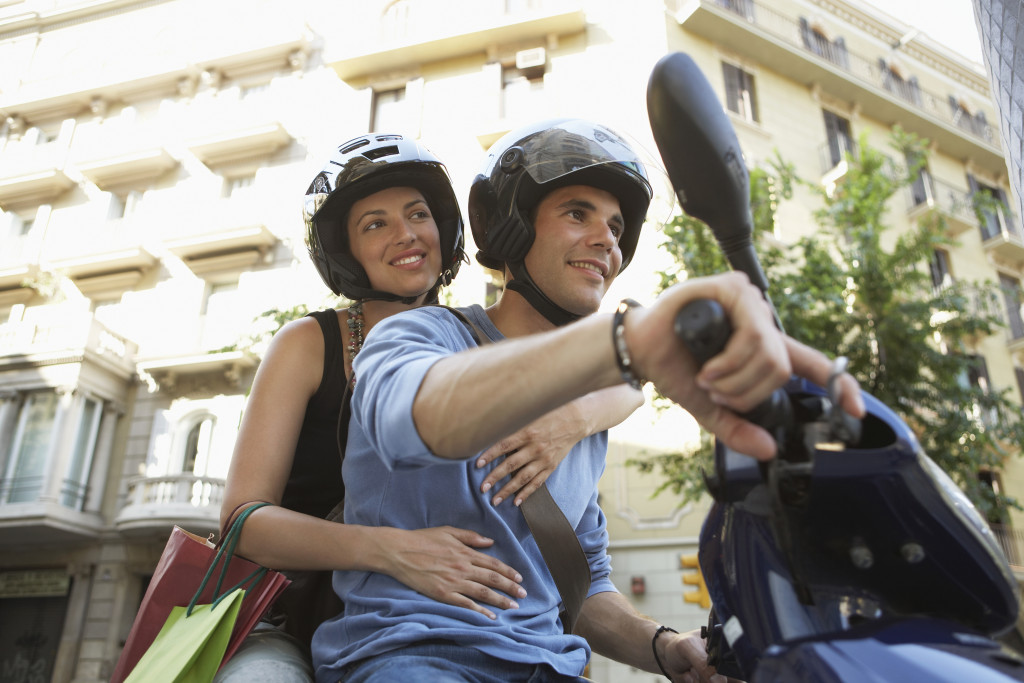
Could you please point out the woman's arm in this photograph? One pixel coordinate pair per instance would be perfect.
(533, 453)
(440, 563)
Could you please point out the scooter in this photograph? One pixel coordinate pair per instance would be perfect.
(851, 557)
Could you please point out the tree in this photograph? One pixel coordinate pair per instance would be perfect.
(845, 291)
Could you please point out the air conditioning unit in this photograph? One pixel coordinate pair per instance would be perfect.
(526, 59)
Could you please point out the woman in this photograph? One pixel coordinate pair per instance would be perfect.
(384, 229)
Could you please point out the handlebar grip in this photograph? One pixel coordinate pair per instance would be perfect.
(705, 330)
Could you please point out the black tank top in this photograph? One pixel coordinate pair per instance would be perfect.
(314, 486)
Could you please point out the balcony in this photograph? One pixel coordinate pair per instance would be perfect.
(952, 204)
(775, 40)
(227, 233)
(110, 247)
(165, 371)
(47, 522)
(32, 174)
(237, 144)
(1012, 542)
(1002, 238)
(19, 260)
(130, 167)
(412, 33)
(158, 503)
(233, 126)
(54, 334)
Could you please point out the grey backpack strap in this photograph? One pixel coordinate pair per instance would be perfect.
(555, 537)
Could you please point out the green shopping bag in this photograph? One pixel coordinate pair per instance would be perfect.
(189, 648)
(193, 641)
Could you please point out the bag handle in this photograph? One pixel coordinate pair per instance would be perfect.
(225, 552)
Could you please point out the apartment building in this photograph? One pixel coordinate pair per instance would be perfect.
(152, 159)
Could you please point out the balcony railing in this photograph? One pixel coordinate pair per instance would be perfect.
(185, 499)
(1012, 542)
(56, 334)
(173, 489)
(955, 204)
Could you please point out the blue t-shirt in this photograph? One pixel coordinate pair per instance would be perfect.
(392, 479)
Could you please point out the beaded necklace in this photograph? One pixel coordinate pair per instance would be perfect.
(356, 325)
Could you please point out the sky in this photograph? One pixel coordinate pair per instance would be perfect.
(950, 22)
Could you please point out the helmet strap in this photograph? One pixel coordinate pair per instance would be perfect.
(524, 285)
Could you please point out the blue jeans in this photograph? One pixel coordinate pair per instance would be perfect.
(444, 662)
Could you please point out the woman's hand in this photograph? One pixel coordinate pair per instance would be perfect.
(441, 563)
(533, 453)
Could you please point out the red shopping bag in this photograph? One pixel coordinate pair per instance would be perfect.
(182, 578)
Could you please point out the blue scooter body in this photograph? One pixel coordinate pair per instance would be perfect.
(861, 564)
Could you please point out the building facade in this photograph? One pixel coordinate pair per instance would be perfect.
(153, 155)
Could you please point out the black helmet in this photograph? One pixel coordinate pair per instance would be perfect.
(359, 168)
(524, 166)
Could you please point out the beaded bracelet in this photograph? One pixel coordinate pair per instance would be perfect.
(654, 647)
(622, 357)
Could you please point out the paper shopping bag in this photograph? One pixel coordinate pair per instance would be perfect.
(182, 576)
(190, 647)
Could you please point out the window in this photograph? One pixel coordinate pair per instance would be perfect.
(740, 97)
(1013, 296)
(840, 142)
(744, 8)
(75, 487)
(225, 319)
(395, 20)
(921, 191)
(390, 111)
(123, 205)
(965, 119)
(816, 39)
(253, 90)
(894, 82)
(27, 460)
(990, 205)
(517, 6)
(237, 186)
(941, 277)
(522, 91)
(23, 226)
(196, 448)
(993, 481)
(1019, 372)
(977, 377)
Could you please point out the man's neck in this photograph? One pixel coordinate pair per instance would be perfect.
(515, 317)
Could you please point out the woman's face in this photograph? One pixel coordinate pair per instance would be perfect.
(393, 236)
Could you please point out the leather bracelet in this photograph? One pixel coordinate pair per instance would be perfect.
(654, 647)
(622, 357)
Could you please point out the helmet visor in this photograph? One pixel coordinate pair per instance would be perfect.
(575, 145)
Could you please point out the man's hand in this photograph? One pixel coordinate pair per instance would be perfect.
(686, 661)
(757, 360)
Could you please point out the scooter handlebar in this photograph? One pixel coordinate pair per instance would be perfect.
(704, 329)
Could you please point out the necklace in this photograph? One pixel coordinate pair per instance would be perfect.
(356, 325)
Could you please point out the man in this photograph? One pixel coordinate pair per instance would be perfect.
(559, 206)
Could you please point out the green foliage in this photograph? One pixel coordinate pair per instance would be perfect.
(266, 325)
(850, 291)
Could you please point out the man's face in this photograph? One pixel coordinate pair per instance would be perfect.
(575, 255)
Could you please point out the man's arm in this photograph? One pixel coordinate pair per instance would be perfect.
(614, 629)
(501, 388)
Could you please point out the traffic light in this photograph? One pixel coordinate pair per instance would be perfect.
(694, 577)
